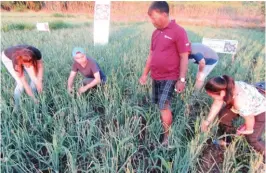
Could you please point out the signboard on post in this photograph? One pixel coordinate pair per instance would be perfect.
(221, 46)
(101, 22)
(43, 27)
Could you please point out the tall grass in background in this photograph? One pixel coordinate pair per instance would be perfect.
(53, 25)
(99, 131)
(17, 26)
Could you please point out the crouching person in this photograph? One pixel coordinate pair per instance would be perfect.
(206, 58)
(89, 68)
(20, 60)
(241, 99)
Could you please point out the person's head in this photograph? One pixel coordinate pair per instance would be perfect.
(159, 13)
(25, 58)
(222, 88)
(79, 55)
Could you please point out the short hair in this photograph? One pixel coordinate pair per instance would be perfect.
(161, 6)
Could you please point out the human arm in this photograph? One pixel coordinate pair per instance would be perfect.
(215, 108)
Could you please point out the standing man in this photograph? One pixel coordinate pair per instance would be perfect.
(167, 61)
(206, 58)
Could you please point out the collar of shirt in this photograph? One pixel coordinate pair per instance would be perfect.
(170, 25)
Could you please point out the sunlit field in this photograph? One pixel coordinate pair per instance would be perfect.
(116, 128)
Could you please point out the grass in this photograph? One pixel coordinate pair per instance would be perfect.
(62, 15)
(17, 26)
(99, 131)
(60, 24)
(54, 25)
(9, 21)
(34, 17)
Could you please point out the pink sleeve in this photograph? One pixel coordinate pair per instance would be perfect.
(182, 42)
(151, 47)
(74, 67)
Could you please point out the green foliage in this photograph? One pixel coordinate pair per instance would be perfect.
(62, 15)
(54, 25)
(98, 132)
(60, 25)
(17, 26)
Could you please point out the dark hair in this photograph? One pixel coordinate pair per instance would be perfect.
(161, 6)
(24, 55)
(227, 83)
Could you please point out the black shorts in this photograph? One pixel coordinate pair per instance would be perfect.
(162, 91)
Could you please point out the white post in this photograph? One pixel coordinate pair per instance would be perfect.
(101, 21)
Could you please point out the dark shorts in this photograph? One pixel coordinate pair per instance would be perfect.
(162, 91)
(86, 81)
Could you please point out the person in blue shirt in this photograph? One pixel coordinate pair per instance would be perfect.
(206, 58)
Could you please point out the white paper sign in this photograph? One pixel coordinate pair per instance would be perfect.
(43, 27)
(221, 46)
(101, 22)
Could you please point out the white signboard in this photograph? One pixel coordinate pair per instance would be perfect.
(43, 27)
(101, 22)
(221, 46)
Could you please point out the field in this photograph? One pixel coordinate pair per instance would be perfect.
(116, 128)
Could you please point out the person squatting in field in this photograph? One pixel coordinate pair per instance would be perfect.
(206, 58)
(20, 59)
(167, 61)
(89, 68)
(241, 99)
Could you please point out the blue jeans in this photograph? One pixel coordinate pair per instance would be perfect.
(19, 86)
(88, 80)
(19, 90)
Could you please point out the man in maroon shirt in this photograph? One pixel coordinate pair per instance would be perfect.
(167, 61)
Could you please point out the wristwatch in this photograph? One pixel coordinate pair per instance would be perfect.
(182, 80)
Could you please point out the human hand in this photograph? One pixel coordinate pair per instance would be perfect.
(243, 131)
(39, 86)
(82, 90)
(180, 86)
(143, 79)
(70, 91)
